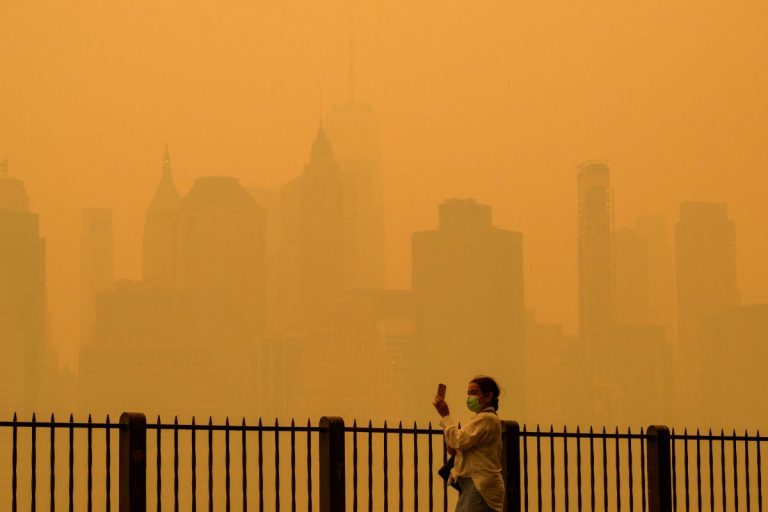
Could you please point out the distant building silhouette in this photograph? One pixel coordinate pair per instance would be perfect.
(160, 245)
(595, 265)
(221, 255)
(353, 131)
(467, 279)
(641, 343)
(96, 263)
(734, 351)
(706, 284)
(317, 254)
(23, 311)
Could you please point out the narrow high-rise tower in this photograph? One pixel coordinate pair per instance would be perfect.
(706, 284)
(160, 252)
(595, 282)
(22, 299)
(317, 253)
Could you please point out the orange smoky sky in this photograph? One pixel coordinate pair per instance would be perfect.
(494, 100)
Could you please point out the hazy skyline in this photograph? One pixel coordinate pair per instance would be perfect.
(499, 103)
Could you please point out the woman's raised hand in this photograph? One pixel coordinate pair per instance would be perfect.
(440, 406)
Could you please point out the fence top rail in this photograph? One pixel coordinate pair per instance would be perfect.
(722, 436)
(160, 426)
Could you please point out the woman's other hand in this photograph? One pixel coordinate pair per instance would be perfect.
(440, 406)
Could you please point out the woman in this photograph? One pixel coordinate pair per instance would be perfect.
(477, 468)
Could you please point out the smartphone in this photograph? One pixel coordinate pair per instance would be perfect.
(441, 391)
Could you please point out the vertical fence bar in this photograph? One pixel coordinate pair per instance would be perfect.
(629, 465)
(332, 477)
(685, 467)
(245, 466)
(746, 470)
(698, 469)
(759, 475)
(445, 482)
(658, 463)
(354, 465)
(370, 466)
(538, 466)
(293, 466)
(400, 466)
(430, 462)
(210, 464)
(14, 463)
(711, 473)
(53, 465)
(605, 470)
(415, 468)
(175, 464)
(193, 442)
(71, 486)
(565, 468)
(722, 468)
(642, 469)
(90, 464)
(277, 468)
(578, 469)
(511, 465)
(552, 467)
(261, 466)
(386, 468)
(159, 464)
(309, 467)
(735, 475)
(133, 462)
(108, 483)
(592, 468)
(617, 459)
(33, 486)
(226, 465)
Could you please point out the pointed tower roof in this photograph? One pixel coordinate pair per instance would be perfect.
(321, 154)
(166, 194)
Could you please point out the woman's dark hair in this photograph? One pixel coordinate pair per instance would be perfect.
(488, 385)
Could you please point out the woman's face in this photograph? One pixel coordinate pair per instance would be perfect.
(474, 390)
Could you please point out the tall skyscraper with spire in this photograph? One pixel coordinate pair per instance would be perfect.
(160, 251)
(23, 311)
(353, 130)
(595, 265)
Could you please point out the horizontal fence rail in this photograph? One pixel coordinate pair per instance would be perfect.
(138, 465)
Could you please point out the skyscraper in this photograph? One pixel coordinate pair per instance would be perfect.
(467, 279)
(706, 283)
(353, 131)
(595, 282)
(22, 298)
(222, 260)
(316, 251)
(96, 263)
(160, 250)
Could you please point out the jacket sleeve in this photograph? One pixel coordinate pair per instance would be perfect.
(468, 436)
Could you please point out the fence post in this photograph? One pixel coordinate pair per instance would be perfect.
(511, 466)
(133, 462)
(332, 477)
(659, 469)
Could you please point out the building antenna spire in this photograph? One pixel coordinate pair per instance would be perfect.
(351, 51)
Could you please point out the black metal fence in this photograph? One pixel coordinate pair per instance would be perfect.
(138, 466)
